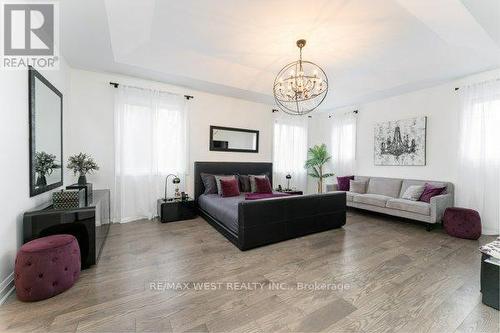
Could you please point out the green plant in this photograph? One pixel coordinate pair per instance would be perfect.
(45, 163)
(317, 157)
(82, 164)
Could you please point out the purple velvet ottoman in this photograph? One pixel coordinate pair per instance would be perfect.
(462, 223)
(46, 267)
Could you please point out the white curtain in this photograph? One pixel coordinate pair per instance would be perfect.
(150, 143)
(479, 153)
(343, 144)
(290, 150)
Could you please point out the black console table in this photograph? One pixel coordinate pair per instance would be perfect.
(89, 223)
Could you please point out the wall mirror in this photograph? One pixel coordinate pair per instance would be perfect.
(234, 139)
(45, 121)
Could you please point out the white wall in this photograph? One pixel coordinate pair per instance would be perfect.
(14, 160)
(91, 123)
(441, 105)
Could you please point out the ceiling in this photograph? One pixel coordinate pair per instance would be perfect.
(369, 49)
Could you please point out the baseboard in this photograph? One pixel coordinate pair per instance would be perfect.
(6, 288)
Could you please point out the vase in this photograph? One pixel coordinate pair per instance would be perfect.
(82, 180)
(41, 181)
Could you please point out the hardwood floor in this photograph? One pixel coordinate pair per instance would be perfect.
(383, 274)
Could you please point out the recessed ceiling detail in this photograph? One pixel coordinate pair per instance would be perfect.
(373, 49)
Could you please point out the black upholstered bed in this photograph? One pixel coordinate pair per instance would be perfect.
(261, 222)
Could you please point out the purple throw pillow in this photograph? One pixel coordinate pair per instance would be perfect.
(430, 191)
(229, 187)
(263, 185)
(343, 182)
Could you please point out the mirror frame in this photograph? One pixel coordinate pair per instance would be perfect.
(213, 148)
(32, 74)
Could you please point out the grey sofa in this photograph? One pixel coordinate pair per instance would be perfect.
(383, 195)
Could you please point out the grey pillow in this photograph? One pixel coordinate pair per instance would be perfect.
(244, 183)
(217, 181)
(413, 192)
(357, 186)
(253, 187)
(209, 183)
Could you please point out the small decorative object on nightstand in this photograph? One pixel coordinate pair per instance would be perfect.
(82, 164)
(175, 181)
(288, 177)
(176, 209)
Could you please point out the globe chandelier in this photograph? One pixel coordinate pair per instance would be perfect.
(301, 86)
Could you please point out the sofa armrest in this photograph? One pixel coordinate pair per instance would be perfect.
(439, 203)
(332, 187)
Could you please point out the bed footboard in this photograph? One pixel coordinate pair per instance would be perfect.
(269, 221)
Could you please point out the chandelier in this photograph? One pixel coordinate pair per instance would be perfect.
(300, 86)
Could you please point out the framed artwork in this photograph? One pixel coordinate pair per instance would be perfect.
(401, 142)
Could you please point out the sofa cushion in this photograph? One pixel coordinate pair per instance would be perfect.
(372, 199)
(357, 186)
(410, 206)
(350, 196)
(384, 186)
(410, 182)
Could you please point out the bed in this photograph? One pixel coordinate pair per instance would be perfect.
(253, 223)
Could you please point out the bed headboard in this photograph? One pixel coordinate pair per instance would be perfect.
(228, 168)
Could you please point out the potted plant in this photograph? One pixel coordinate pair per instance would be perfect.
(45, 164)
(82, 164)
(317, 157)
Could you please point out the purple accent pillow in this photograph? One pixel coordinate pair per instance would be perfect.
(430, 191)
(343, 183)
(229, 187)
(257, 196)
(263, 185)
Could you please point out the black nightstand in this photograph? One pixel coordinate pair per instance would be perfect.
(176, 210)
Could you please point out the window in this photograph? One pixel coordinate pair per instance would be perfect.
(290, 151)
(150, 143)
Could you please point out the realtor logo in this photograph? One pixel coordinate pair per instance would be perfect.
(29, 35)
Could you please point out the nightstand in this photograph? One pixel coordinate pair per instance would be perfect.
(176, 210)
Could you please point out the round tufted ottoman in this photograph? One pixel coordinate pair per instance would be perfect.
(462, 223)
(46, 267)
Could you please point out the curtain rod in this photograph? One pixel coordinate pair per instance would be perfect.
(115, 84)
(458, 88)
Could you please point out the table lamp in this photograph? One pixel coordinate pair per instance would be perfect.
(288, 177)
(176, 180)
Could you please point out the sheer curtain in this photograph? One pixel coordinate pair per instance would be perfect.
(290, 150)
(479, 153)
(150, 143)
(343, 144)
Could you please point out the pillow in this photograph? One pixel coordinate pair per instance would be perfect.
(357, 186)
(263, 185)
(209, 183)
(218, 179)
(229, 187)
(343, 183)
(252, 181)
(413, 192)
(244, 183)
(430, 191)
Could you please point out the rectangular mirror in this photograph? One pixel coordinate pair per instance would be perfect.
(45, 121)
(234, 139)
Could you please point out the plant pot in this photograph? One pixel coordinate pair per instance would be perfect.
(41, 181)
(82, 180)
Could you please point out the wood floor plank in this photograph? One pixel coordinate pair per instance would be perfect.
(392, 275)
